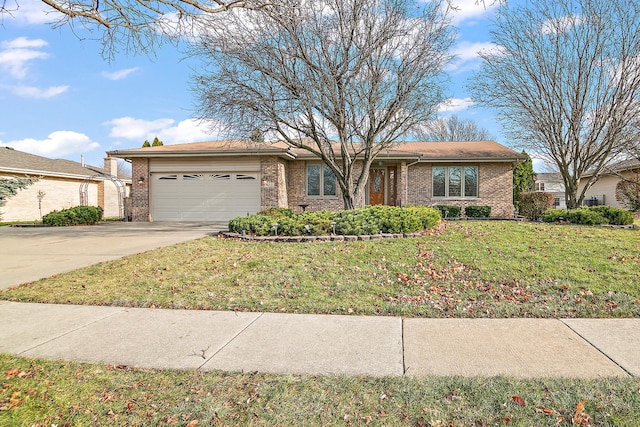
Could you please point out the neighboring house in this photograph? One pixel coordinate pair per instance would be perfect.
(61, 184)
(219, 180)
(552, 183)
(603, 191)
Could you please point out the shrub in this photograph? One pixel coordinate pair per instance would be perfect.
(534, 204)
(590, 215)
(257, 224)
(429, 217)
(448, 211)
(586, 216)
(615, 216)
(79, 215)
(555, 215)
(369, 220)
(478, 211)
(277, 212)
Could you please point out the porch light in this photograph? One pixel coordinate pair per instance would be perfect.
(141, 180)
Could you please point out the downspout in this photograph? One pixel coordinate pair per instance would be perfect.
(406, 180)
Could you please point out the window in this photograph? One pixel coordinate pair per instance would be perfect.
(539, 186)
(168, 177)
(320, 181)
(192, 177)
(242, 176)
(220, 177)
(455, 181)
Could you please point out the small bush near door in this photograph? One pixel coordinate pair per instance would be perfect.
(477, 211)
(79, 215)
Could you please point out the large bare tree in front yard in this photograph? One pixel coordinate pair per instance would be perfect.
(342, 79)
(131, 25)
(565, 81)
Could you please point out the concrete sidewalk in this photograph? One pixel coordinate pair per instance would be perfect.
(317, 344)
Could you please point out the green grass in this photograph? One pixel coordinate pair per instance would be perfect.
(471, 269)
(45, 393)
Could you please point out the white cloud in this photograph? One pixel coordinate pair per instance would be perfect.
(35, 92)
(455, 104)
(189, 130)
(466, 55)
(166, 130)
(469, 9)
(130, 128)
(16, 55)
(32, 12)
(58, 144)
(120, 74)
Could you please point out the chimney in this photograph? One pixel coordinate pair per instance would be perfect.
(111, 165)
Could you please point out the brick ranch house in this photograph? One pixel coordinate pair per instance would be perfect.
(220, 180)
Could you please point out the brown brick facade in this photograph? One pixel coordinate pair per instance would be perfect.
(140, 189)
(283, 184)
(495, 181)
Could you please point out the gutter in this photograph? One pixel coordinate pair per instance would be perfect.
(35, 173)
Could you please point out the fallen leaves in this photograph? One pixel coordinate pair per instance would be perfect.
(519, 400)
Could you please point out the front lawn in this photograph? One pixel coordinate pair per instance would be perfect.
(49, 393)
(469, 269)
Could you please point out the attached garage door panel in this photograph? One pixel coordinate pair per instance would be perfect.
(204, 196)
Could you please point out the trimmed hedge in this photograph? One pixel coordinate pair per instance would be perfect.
(369, 220)
(448, 211)
(594, 215)
(79, 215)
(534, 204)
(478, 211)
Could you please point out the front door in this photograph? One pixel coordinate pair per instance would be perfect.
(377, 181)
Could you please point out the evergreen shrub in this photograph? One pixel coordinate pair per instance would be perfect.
(448, 211)
(369, 220)
(79, 215)
(594, 215)
(478, 211)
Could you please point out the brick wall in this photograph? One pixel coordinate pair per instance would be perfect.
(140, 191)
(495, 188)
(297, 186)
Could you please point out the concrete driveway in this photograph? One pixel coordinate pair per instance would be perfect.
(31, 253)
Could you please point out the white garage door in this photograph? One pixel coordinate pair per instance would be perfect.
(209, 196)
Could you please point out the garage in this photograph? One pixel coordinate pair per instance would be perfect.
(204, 196)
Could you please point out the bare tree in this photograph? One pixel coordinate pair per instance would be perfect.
(453, 129)
(134, 25)
(124, 168)
(565, 81)
(342, 79)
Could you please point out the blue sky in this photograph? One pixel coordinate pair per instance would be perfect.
(59, 98)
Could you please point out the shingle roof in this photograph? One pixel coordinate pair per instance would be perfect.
(14, 161)
(432, 151)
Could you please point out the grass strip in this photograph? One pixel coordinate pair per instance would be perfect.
(471, 269)
(44, 393)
